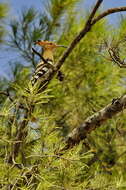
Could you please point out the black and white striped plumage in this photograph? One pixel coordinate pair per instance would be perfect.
(41, 69)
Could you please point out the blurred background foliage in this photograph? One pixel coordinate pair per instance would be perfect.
(91, 82)
(3, 14)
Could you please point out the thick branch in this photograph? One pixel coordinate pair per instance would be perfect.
(97, 5)
(81, 34)
(91, 21)
(108, 12)
(95, 121)
(76, 40)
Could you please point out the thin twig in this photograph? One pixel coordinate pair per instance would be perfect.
(37, 53)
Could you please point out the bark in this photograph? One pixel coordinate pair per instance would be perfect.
(95, 121)
(108, 12)
(87, 27)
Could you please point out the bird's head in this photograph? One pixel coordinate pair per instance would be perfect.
(48, 45)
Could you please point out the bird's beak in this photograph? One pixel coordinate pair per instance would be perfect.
(62, 46)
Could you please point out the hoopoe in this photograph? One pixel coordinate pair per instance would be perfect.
(42, 67)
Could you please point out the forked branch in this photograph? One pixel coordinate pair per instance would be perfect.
(80, 35)
(88, 26)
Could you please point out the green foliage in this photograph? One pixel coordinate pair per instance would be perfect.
(57, 13)
(3, 14)
(44, 120)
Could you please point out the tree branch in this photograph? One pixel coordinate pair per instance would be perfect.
(76, 40)
(81, 34)
(115, 57)
(41, 57)
(87, 27)
(95, 121)
(90, 22)
(108, 12)
(97, 5)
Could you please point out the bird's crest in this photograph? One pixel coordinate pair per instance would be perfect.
(48, 44)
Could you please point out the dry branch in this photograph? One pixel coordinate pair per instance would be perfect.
(95, 121)
(115, 57)
(108, 12)
(82, 33)
(76, 40)
(90, 22)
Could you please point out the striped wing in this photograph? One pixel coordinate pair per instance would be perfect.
(40, 71)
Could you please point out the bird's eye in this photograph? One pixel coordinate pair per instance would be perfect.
(50, 43)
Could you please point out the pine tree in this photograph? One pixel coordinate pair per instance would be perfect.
(33, 125)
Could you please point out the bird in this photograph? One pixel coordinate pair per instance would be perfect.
(48, 60)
